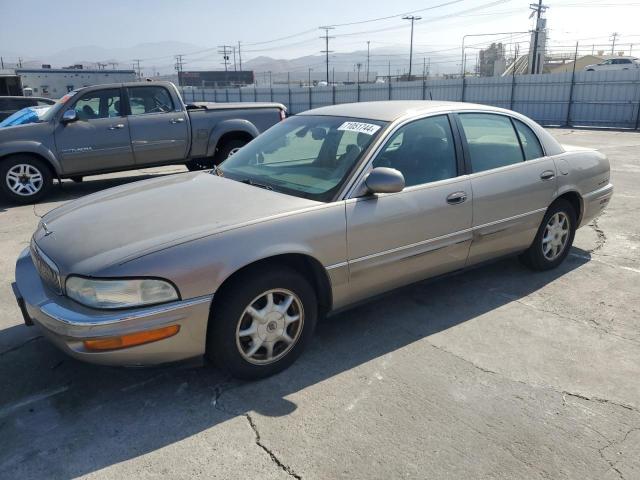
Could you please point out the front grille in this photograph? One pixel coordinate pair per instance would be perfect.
(46, 269)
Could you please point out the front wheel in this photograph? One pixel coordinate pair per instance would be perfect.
(262, 323)
(554, 238)
(25, 179)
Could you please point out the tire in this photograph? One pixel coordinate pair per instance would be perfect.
(228, 148)
(247, 356)
(199, 164)
(556, 244)
(77, 179)
(25, 179)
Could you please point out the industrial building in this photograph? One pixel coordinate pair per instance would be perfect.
(54, 83)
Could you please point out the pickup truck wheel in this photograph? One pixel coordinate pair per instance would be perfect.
(228, 148)
(554, 238)
(199, 164)
(25, 179)
(263, 322)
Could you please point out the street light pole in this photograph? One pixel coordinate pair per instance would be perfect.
(413, 18)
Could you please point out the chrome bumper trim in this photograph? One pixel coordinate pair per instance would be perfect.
(70, 317)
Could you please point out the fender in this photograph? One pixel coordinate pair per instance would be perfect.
(31, 146)
(228, 126)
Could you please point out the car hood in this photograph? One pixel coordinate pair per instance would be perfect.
(119, 224)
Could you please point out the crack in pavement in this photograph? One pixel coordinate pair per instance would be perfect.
(597, 326)
(272, 455)
(19, 346)
(602, 237)
(543, 385)
(229, 384)
(601, 400)
(35, 212)
(611, 463)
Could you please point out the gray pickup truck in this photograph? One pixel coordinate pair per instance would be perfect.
(108, 128)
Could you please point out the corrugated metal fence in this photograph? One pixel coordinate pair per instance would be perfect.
(596, 99)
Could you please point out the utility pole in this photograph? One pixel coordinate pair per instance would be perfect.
(113, 65)
(137, 65)
(20, 62)
(225, 55)
(368, 44)
(613, 38)
(270, 83)
(326, 50)
(235, 68)
(179, 64)
(424, 68)
(413, 18)
(239, 55)
(538, 10)
(310, 70)
(358, 66)
(389, 72)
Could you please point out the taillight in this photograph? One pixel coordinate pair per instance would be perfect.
(283, 115)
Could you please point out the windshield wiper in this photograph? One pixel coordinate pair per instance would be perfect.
(253, 183)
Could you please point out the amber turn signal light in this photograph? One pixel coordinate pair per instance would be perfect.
(131, 339)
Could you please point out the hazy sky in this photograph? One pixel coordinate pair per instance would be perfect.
(45, 26)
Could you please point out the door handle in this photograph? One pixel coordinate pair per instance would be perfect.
(177, 120)
(115, 127)
(456, 198)
(547, 175)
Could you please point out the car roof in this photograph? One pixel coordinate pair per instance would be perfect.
(391, 110)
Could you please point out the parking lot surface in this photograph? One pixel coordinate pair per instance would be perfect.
(498, 372)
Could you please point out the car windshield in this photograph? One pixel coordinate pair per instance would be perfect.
(306, 156)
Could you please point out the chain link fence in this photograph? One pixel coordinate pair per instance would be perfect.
(592, 99)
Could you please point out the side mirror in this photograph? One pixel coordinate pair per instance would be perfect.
(69, 116)
(384, 180)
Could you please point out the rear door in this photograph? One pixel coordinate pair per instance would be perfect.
(99, 139)
(398, 238)
(159, 128)
(513, 183)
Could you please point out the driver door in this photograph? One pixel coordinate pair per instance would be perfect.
(99, 139)
(159, 129)
(425, 230)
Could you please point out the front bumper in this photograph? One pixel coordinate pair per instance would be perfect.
(67, 324)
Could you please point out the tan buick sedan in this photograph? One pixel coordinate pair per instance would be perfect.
(321, 211)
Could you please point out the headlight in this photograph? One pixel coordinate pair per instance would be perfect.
(130, 293)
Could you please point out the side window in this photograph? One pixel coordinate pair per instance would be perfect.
(99, 104)
(491, 139)
(529, 141)
(423, 151)
(149, 99)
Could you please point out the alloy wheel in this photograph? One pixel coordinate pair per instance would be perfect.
(556, 235)
(269, 326)
(24, 179)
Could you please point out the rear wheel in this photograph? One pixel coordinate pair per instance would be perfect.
(25, 179)
(228, 148)
(263, 323)
(554, 238)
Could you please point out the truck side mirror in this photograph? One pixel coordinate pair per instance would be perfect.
(69, 116)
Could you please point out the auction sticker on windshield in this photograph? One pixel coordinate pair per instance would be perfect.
(359, 127)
